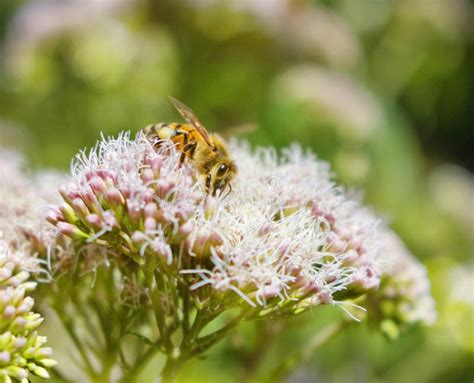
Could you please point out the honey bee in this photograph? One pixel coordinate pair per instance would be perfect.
(207, 151)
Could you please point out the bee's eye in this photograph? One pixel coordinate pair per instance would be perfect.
(221, 170)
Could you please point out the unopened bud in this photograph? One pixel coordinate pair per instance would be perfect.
(97, 184)
(114, 197)
(71, 231)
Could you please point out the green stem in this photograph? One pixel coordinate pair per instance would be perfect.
(304, 353)
(206, 342)
(267, 332)
(180, 356)
(133, 373)
(193, 332)
(171, 369)
(66, 321)
(157, 308)
(186, 308)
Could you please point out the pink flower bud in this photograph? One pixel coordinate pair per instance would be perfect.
(125, 190)
(34, 320)
(19, 342)
(324, 297)
(330, 218)
(95, 221)
(69, 192)
(185, 211)
(71, 231)
(9, 312)
(30, 286)
(26, 306)
(91, 201)
(5, 296)
(164, 185)
(139, 237)
(17, 372)
(215, 239)
(44, 352)
(365, 278)
(107, 175)
(80, 207)
(4, 358)
(41, 372)
(186, 229)
(68, 213)
(5, 273)
(18, 325)
(19, 278)
(54, 215)
(114, 197)
(147, 176)
(97, 184)
(316, 211)
(156, 164)
(151, 210)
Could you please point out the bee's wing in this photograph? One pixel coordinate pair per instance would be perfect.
(191, 118)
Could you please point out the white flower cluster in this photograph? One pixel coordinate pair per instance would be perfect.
(25, 199)
(130, 199)
(21, 348)
(287, 232)
(404, 296)
(285, 235)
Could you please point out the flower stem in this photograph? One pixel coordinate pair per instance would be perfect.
(171, 369)
(157, 308)
(206, 342)
(69, 327)
(304, 353)
(267, 332)
(133, 373)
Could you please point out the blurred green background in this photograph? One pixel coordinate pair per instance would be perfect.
(383, 90)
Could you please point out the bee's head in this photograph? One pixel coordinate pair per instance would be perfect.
(220, 176)
(222, 169)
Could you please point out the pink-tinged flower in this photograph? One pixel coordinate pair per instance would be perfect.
(22, 350)
(404, 296)
(129, 198)
(25, 199)
(286, 234)
(284, 239)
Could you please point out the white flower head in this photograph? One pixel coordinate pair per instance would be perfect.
(287, 232)
(404, 297)
(21, 348)
(25, 200)
(285, 238)
(126, 196)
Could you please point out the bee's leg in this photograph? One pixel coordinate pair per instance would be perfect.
(185, 143)
(208, 183)
(190, 148)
